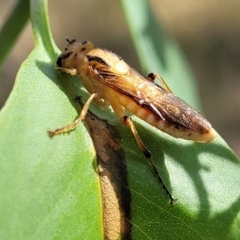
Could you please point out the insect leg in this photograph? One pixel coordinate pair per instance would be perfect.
(128, 121)
(152, 76)
(71, 71)
(72, 125)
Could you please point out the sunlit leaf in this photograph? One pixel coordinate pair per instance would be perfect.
(50, 187)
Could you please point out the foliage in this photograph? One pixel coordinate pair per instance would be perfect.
(50, 188)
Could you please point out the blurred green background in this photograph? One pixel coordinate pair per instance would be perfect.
(207, 31)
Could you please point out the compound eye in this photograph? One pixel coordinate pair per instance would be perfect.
(62, 57)
(59, 61)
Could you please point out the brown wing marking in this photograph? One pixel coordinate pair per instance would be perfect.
(179, 113)
(148, 95)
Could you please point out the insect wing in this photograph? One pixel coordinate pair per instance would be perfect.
(152, 97)
(179, 113)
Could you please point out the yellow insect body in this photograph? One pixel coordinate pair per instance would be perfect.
(112, 82)
(118, 85)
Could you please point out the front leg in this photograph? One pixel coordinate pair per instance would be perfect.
(71, 71)
(72, 125)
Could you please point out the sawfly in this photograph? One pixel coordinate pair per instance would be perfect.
(112, 82)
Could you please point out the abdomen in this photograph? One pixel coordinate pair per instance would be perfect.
(206, 135)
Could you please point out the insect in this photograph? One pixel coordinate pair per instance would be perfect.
(112, 82)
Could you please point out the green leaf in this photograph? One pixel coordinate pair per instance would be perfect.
(12, 27)
(45, 187)
(50, 187)
(158, 52)
(204, 177)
